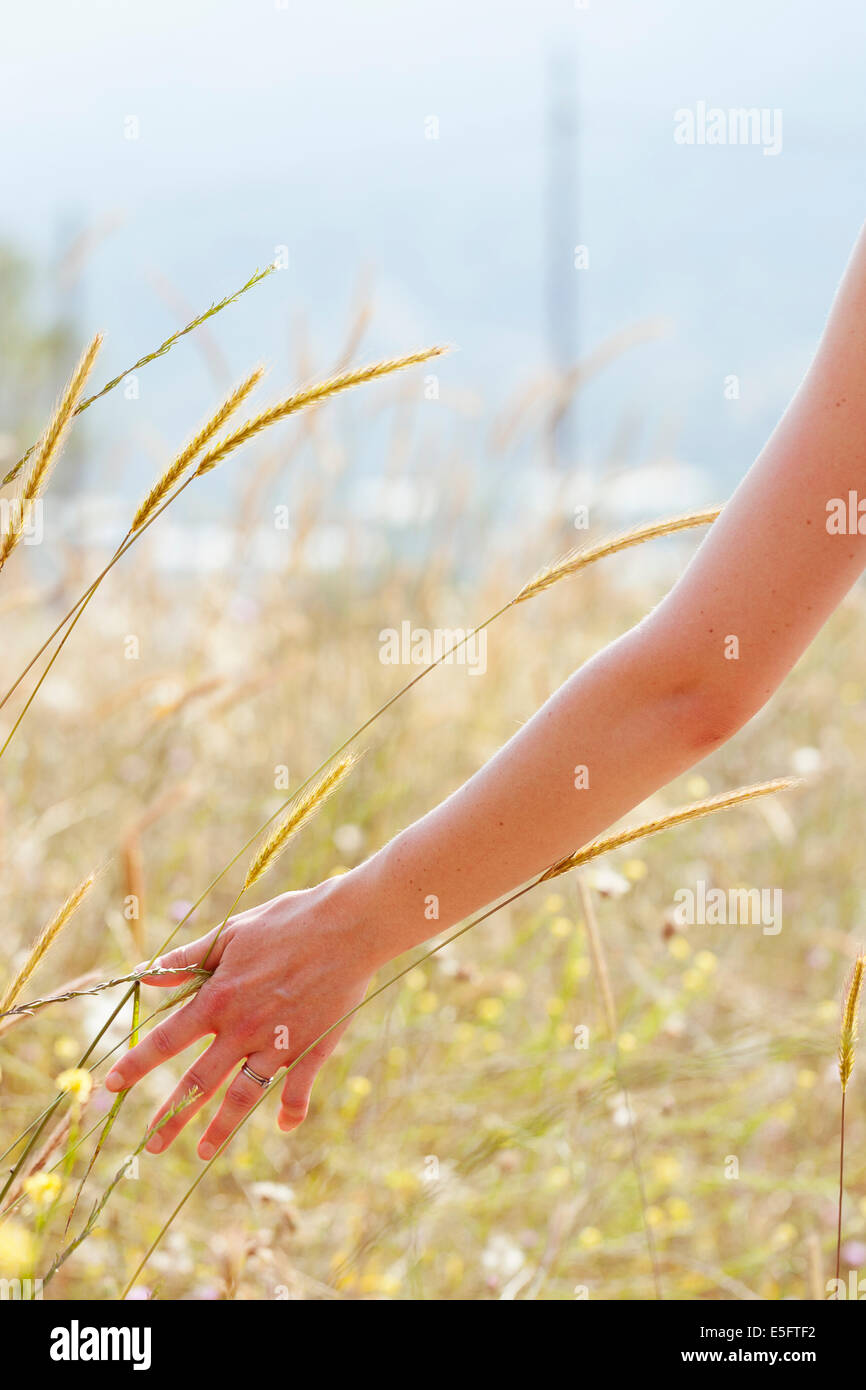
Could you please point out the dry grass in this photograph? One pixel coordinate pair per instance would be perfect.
(850, 1012)
(48, 450)
(520, 1122)
(578, 560)
(726, 1035)
(44, 941)
(307, 804)
(847, 1053)
(311, 396)
(176, 470)
(603, 844)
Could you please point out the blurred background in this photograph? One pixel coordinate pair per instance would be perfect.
(442, 165)
(631, 316)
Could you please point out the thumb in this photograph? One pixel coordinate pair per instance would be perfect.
(184, 959)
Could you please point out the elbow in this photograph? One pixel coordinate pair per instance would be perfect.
(698, 706)
(707, 718)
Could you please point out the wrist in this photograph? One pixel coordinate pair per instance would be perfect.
(354, 916)
(375, 914)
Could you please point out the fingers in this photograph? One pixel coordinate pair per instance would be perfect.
(164, 1041)
(239, 1099)
(295, 1100)
(202, 951)
(205, 1076)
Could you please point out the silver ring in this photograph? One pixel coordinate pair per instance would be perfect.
(254, 1076)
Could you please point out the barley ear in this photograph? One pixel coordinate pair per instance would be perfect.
(604, 843)
(179, 466)
(587, 555)
(45, 940)
(300, 811)
(307, 396)
(151, 357)
(48, 449)
(849, 1033)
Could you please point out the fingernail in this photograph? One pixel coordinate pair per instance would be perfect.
(114, 1081)
(155, 1144)
(206, 1150)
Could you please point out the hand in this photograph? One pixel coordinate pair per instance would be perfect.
(283, 973)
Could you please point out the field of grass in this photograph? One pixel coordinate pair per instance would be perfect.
(460, 1144)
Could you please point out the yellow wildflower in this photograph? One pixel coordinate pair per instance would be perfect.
(42, 1188)
(76, 1081)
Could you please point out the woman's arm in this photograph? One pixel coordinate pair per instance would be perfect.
(649, 706)
(760, 587)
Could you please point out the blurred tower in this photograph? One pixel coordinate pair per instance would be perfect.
(561, 216)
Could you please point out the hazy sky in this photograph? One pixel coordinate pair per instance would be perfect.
(262, 125)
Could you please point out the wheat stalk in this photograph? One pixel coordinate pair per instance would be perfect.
(599, 961)
(311, 395)
(112, 1115)
(586, 555)
(71, 987)
(596, 950)
(847, 1053)
(61, 1133)
(604, 843)
(304, 806)
(97, 988)
(99, 1206)
(849, 1032)
(58, 1137)
(44, 942)
(151, 508)
(151, 357)
(49, 448)
(175, 471)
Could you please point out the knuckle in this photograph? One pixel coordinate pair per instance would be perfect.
(237, 1095)
(195, 1083)
(295, 1110)
(161, 1041)
(216, 996)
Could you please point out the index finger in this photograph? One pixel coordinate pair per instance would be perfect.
(164, 1041)
(206, 951)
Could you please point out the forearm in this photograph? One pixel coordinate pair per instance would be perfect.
(652, 704)
(610, 736)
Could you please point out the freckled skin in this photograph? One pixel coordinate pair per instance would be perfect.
(645, 709)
